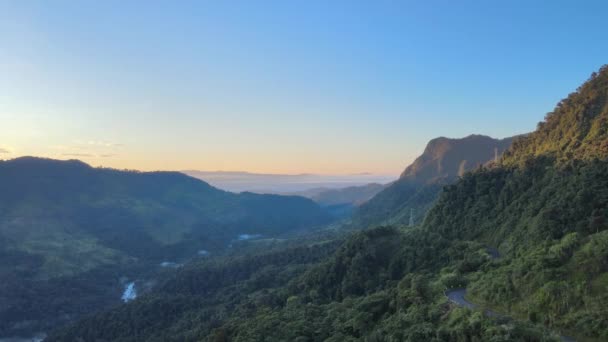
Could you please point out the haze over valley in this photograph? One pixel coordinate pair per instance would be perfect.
(388, 171)
(238, 181)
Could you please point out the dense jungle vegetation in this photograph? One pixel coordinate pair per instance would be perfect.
(70, 232)
(543, 207)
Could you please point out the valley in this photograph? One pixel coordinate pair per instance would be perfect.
(303, 171)
(544, 212)
(83, 234)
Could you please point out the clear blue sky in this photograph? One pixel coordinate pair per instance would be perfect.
(282, 86)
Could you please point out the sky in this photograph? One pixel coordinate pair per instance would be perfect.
(326, 87)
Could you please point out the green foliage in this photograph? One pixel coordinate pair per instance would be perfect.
(193, 304)
(576, 129)
(64, 221)
(379, 285)
(543, 207)
(394, 204)
(443, 162)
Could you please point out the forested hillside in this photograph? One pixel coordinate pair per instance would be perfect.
(351, 195)
(526, 236)
(378, 286)
(577, 129)
(74, 230)
(545, 209)
(414, 193)
(342, 202)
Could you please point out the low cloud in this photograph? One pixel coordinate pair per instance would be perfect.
(88, 155)
(77, 155)
(59, 147)
(99, 143)
(4, 150)
(88, 149)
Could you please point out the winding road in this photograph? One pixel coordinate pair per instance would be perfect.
(457, 296)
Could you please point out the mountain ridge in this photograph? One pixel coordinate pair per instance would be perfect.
(545, 214)
(442, 162)
(575, 129)
(443, 157)
(65, 221)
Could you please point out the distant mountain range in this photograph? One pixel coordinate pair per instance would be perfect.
(342, 202)
(236, 181)
(442, 162)
(352, 195)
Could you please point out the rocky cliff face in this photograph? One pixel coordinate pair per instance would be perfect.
(442, 162)
(446, 159)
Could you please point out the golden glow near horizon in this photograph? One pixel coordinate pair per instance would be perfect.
(183, 142)
(120, 158)
(222, 86)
